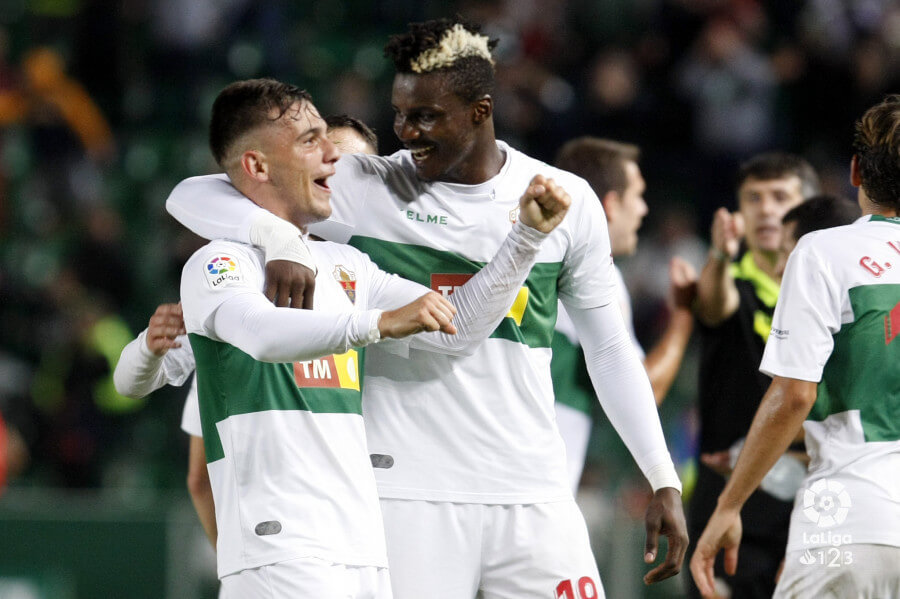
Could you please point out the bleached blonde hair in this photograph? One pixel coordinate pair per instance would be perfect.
(456, 43)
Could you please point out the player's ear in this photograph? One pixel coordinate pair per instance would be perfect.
(610, 201)
(255, 166)
(482, 109)
(855, 178)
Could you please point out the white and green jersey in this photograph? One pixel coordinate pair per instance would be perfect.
(479, 428)
(836, 323)
(285, 442)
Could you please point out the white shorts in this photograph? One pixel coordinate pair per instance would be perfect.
(308, 577)
(575, 429)
(457, 550)
(857, 570)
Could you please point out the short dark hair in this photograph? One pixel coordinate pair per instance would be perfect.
(821, 212)
(601, 162)
(339, 121)
(470, 76)
(778, 165)
(244, 105)
(877, 148)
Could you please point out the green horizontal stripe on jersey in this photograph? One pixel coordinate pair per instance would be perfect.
(862, 372)
(230, 382)
(418, 263)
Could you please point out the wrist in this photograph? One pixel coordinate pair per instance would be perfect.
(143, 343)
(719, 255)
(663, 476)
(370, 327)
(280, 240)
(527, 236)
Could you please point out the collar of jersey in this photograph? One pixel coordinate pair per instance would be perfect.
(765, 286)
(486, 188)
(884, 219)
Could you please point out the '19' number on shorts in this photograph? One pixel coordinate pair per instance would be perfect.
(587, 589)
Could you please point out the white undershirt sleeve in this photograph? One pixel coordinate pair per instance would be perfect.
(627, 398)
(139, 371)
(269, 334)
(213, 208)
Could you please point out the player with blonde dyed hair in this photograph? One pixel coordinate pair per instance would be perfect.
(470, 465)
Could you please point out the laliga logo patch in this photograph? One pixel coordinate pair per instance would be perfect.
(347, 280)
(514, 215)
(826, 503)
(222, 269)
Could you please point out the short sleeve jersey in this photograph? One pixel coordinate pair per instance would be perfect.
(837, 323)
(285, 443)
(477, 428)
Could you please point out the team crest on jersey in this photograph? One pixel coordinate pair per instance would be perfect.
(514, 215)
(221, 270)
(347, 280)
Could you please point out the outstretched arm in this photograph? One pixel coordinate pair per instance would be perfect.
(485, 299)
(780, 415)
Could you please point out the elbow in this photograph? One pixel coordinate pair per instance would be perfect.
(123, 387)
(793, 396)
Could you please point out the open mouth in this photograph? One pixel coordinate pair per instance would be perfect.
(322, 182)
(421, 154)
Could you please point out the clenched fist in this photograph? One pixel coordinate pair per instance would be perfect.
(431, 312)
(166, 324)
(544, 204)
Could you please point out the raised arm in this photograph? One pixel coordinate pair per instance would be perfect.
(717, 295)
(664, 360)
(159, 356)
(627, 399)
(485, 299)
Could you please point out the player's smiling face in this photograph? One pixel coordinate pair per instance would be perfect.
(435, 124)
(301, 159)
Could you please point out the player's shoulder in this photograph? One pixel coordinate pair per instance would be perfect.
(374, 165)
(831, 240)
(585, 207)
(202, 184)
(221, 262)
(572, 183)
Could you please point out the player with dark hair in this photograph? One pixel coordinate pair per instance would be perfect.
(470, 465)
(833, 357)
(817, 212)
(351, 135)
(736, 297)
(161, 353)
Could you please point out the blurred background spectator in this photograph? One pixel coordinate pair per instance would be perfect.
(103, 108)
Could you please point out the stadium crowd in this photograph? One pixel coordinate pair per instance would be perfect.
(104, 108)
